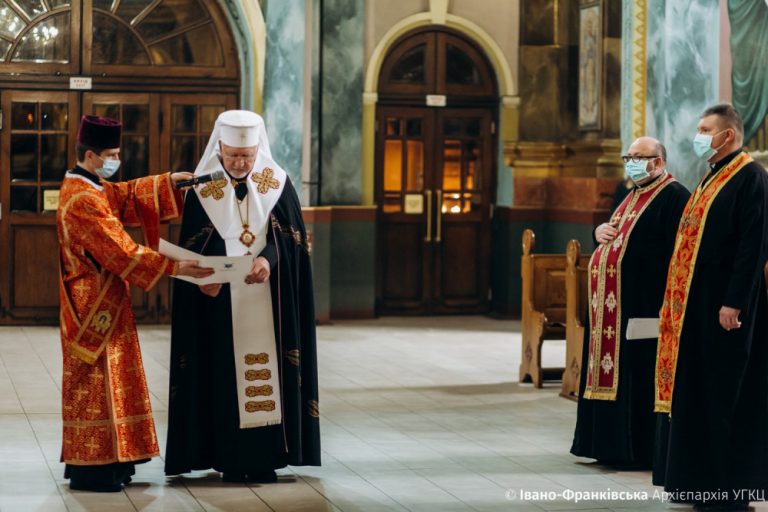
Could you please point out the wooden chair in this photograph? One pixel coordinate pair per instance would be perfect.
(576, 304)
(543, 309)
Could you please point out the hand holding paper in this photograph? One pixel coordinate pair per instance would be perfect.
(191, 268)
(226, 269)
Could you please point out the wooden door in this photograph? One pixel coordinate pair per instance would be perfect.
(434, 184)
(406, 208)
(435, 174)
(463, 184)
(36, 146)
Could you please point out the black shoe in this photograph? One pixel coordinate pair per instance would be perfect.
(91, 487)
(262, 477)
(258, 477)
(234, 478)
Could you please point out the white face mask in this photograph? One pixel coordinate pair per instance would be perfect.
(702, 145)
(108, 168)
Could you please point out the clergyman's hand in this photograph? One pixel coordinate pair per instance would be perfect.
(729, 318)
(605, 233)
(259, 271)
(192, 268)
(211, 290)
(181, 176)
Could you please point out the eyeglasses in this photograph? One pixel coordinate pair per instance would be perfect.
(245, 158)
(637, 158)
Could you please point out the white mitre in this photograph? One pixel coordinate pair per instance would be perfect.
(240, 129)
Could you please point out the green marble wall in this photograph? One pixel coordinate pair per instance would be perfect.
(353, 268)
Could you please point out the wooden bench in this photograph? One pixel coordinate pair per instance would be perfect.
(576, 305)
(543, 309)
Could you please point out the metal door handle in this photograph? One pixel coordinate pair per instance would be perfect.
(428, 237)
(439, 215)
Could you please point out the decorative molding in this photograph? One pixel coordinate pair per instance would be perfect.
(499, 62)
(501, 67)
(523, 214)
(330, 214)
(353, 213)
(370, 98)
(639, 68)
(250, 32)
(438, 9)
(510, 101)
(316, 214)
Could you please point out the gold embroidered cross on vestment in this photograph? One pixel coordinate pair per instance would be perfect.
(265, 180)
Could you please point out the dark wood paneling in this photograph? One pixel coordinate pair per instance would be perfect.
(35, 269)
(403, 270)
(459, 262)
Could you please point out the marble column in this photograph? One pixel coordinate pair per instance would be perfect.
(341, 82)
(284, 95)
(683, 48)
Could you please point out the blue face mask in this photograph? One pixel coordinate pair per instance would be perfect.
(108, 168)
(702, 146)
(637, 171)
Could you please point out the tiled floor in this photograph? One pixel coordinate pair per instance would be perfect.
(419, 414)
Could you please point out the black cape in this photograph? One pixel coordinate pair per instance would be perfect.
(717, 437)
(622, 431)
(203, 422)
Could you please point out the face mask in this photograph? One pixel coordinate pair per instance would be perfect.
(702, 146)
(108, 168)
(636, 171)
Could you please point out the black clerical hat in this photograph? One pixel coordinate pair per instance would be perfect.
(99, 132)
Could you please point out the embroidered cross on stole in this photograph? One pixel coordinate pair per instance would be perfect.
(680, 275)
(605, 295)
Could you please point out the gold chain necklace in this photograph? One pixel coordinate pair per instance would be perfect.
(246, 237)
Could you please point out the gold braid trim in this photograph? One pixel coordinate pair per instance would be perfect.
(292, 233)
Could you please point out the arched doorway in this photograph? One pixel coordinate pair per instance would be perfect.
(435, 174)
(165, 68)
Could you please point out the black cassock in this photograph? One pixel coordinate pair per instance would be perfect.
(717, 437)
(622, 431)
(203, 420)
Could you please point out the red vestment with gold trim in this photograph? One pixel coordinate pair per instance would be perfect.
(106, 409)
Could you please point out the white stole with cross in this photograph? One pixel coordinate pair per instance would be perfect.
(253, 333)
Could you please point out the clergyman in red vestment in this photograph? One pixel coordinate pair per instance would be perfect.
(107, 418)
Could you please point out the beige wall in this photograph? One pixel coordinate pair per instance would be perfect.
(380, 15)
(499, 18)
